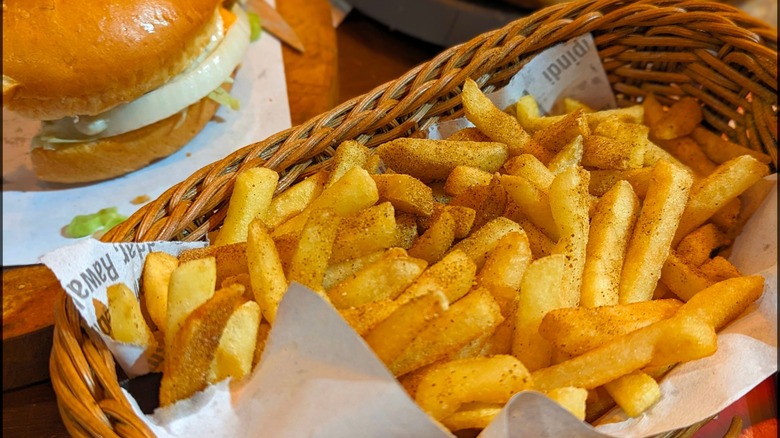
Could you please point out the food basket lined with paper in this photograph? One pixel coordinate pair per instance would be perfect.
(696, 72)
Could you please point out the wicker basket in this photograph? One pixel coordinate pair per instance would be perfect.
(673, 48)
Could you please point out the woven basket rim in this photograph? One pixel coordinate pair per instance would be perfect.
(744, 64)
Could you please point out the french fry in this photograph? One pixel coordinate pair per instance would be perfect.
(603, 180)
(602, 152)
(506, 263)
(446, 387)
(555, 137)
(540, 292)
(390, 336)
(295, 199)
(464, 177)
(191, 284)
(653, 233)
(577, 330)
(533, 202)
(480, 242)
(569, 156)
(354, 191)
(609, 233)
(386, 278)
(368, 230)
(720, 150)
(569, 203)
(528, 166)
(689, 153)
(668, 341)
(724, 301)
(236, 349)
(338, 272)
(472, 416)
(719, 269)
(315, 246)
(188, 360)
(469, 134)
(570, 398)
(266, 273)
(465, 320)
(697, 247)
(127, 322)
(679, 120)
(632, 135)
(429, 160)
(436, 240)
(683, 279)
(348, 154)
(405, 193)
(251, 198)
(155, 277)
(405, 230)
(230, 259)
(496, 124)
(364, 318)
(634, 393)
(453, 275)
(724, 184)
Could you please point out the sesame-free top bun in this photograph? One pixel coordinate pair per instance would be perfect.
(114, 156)
(65, 58)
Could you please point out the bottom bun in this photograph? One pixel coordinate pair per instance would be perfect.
(114, 156)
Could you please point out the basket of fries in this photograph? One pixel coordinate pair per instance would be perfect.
(697, 78)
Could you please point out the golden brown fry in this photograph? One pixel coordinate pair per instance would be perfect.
(266, 273)
(191, 284)
(472, 416)
(127, 322)
(555, 137)
(230, 259)
(384, 279)
(436, 240)
(464, 177)
(635, 392)
(653, 232)
(348, 154)
(679, 120)
(188, 360)
(532, 202)
(390, 336)
(429, 160)
(698, 246)
(236, 349)
(689, 153)
(723, 302)
(453, 275)
(362, 319)
(488, 202)
(251, 197)
(315, 246)
(406, 193)
(569, 156)
(603, 180)
(683, 279)
(467, 319)
(495, 123)
(528, 166)
(469, 134)
(294, 199)
(155, 277)
(570, 398)
(610, 231)
(338, 272)
(368, 230)
(480, 242)
(720, 150)
(579, 329)
(711, 193)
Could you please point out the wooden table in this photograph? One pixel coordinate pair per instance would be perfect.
(337, 65)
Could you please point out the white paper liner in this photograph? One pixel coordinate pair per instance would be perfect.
(317, 378)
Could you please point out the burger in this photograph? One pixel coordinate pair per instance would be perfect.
(117, 84)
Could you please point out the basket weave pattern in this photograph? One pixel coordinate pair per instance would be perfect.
(672, 48)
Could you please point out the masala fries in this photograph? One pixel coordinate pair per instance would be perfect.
(529, 252)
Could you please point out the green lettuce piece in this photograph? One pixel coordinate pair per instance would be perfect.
(83, 225)
(255, 26)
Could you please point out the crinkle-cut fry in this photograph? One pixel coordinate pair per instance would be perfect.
(430, 160)
(391, 335)
(570, 203)
(610, 231)
(266, 273)
(709, 194)
(251, 197)
(653, 233)
(446, 387)
(465, 320)
(576, 330)
(496, 124)
(635, 392)
(677, 339)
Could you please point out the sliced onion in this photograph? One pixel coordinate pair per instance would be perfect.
(171, 98)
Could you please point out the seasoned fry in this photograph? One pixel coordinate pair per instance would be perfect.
(155, 277)
(635, 392)
(348, 154)
(127, 322)
(265, 270)
(250, 199)
(405, 193)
